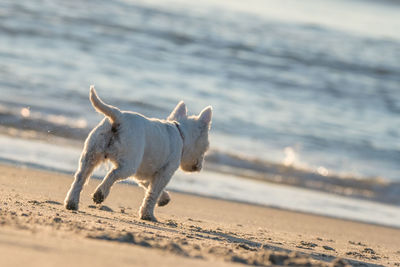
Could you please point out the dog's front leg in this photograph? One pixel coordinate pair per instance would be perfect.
(153, 193)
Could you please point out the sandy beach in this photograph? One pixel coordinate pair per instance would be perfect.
(35, 229)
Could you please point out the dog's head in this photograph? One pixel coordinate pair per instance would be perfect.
(195, 133)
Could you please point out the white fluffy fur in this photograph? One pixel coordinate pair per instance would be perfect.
(150, 150)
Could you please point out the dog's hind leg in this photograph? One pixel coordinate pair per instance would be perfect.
(164, 198)
(88, 162)
(122, 171)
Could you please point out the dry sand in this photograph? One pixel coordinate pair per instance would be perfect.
(36, 230)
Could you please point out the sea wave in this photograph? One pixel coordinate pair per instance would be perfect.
(372, 188)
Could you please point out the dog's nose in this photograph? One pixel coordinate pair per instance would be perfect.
(194, 168)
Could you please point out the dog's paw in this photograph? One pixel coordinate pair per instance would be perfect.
(71, 205)
(164, 199)
(163, 202)
(148, 217)
(98, 197)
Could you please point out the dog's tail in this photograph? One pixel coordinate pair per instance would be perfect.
(111, 112)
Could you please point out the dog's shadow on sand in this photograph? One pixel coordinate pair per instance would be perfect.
(184, 232)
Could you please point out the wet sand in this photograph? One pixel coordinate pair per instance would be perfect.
(36, 230)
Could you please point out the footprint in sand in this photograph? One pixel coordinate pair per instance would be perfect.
(105, 208)
(307, 245)
(52, 202)
(328, 248)
(357, 243)
(102, 207)
(172, 223)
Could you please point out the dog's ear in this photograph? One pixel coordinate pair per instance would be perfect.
(205, 115)
(180, 112)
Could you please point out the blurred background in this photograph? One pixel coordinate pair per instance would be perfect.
(306, 94)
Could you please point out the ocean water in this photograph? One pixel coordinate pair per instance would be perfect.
(304, 94)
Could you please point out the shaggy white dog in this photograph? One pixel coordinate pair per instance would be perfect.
(150, 150)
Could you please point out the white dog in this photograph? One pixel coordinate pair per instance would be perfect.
(150, 150)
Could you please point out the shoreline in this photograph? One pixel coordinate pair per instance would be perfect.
(191, 229)
(33, 166)
(377, 190)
